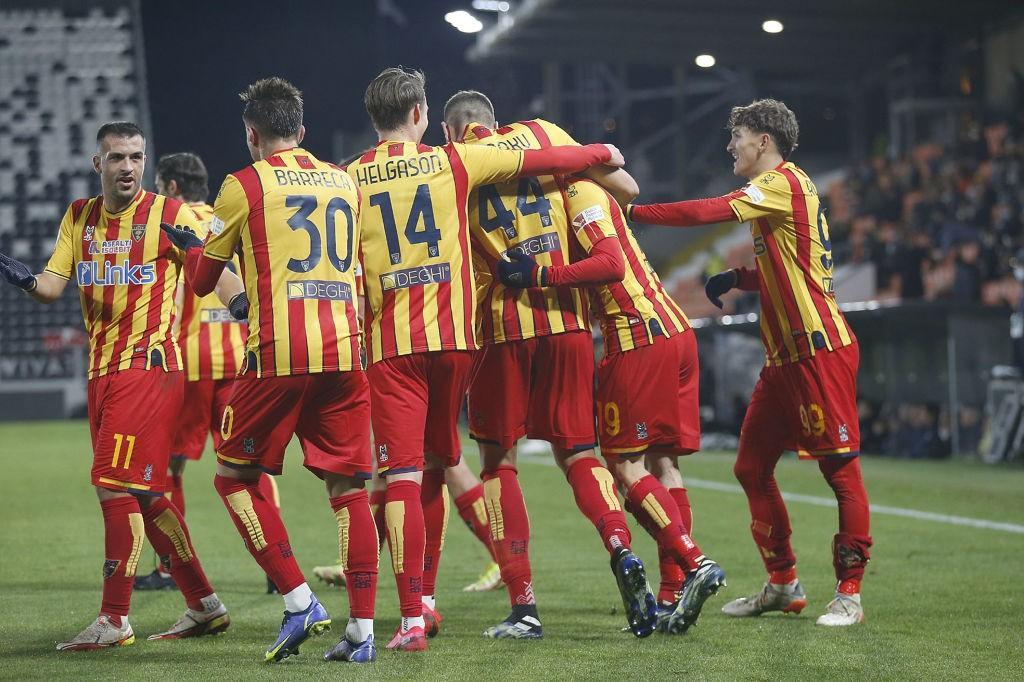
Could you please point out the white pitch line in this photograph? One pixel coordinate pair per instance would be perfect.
(882, 509)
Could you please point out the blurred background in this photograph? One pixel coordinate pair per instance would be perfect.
(911, 126)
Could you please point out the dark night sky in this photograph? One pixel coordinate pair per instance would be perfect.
(200, 54)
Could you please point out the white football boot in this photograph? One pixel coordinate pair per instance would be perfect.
(789, 598)
(843, 610)
(101, 634)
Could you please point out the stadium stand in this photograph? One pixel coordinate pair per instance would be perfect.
(64, 71)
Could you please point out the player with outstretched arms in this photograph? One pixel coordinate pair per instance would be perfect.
(534, 375)
(806, 397)
(126, 271)
(419, 278)
(294, 219)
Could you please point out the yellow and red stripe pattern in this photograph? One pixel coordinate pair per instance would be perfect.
(293, 221)
(212, 342)
(127, 272)
(415, 248)
(635, 311)
(526, 214)
(793, 252)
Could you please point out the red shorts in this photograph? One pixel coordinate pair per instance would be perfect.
(131, 416)
(416, 402)
(808, 406)
(541, 387)
(201, 411)
(329, 412)
(648, 398)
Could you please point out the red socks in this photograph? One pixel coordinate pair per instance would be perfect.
(473, 511)
(682, 501)
(358, 548)
(769, 523)
(176, 494)
(259, 523)
(434, 496)
(510, 531)
(377, 501)
(167, 532)
(122, 539)
(403, 515)
(594, 489)
(851, 545)
(782, 577)
(658, 513)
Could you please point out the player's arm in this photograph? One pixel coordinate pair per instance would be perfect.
(741, 278)
(231, 292)
(47, 286)
(485, 164)
(590, 208)
(204, 263)
(766, 195)
(616, 181)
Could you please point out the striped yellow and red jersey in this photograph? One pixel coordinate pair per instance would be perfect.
(799, 314)
(212, 342)
(294, 222)
(418, 274)
(636, 310)
(527, 214)
(127, 272)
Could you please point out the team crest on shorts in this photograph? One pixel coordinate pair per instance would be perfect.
(382, 451)
(147, 473)
(844, 434)
(249, 446)
(109, 567)
(641, 430)
(138, 232)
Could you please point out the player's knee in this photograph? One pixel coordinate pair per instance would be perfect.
(749, 473)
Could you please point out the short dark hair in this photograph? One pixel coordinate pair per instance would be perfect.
(468, 106)
(188, 171)
(273, 106)
(768, 116)
(119, 129)
(391, 95)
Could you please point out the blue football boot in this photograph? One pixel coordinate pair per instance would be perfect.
(353, 652)
(700, 585)
(296, 628)
(637, 598)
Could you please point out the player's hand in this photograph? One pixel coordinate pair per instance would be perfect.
(239, 306)
(17, 273)
(720, 284)
(617, 159)
(520, 271)
(182, 237)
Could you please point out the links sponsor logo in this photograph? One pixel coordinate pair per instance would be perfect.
(108, 247)
(416, 277)
(544, 243)
(321, 290)
(102, 274)
(216, 316)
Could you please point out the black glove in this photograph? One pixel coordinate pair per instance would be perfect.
(182, 237)
(239, 306)
(17, 273)
(520, 271)
(719, 284)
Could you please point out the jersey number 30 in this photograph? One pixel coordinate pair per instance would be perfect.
(306, 204)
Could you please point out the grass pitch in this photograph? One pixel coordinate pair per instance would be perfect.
(942, 600)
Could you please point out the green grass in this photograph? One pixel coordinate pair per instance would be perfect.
(942, 601)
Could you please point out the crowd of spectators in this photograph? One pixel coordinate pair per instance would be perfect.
(940, 223)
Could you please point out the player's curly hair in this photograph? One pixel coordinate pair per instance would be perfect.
(273, 106)
(465, 107)
(768, 116)
(189, 171)
(392, 94)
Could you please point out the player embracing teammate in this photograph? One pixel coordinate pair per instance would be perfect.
(806, 397)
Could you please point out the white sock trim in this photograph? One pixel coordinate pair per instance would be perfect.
(298, 599)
